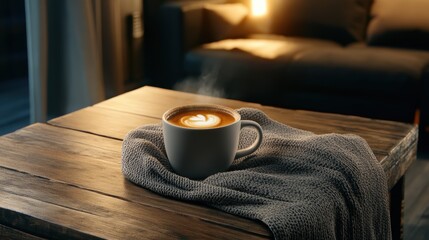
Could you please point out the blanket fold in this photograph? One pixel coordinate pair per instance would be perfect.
(301, 185)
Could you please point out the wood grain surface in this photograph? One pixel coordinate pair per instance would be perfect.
(63, 179)
(79, 175)
(153, 102)
(393, 143)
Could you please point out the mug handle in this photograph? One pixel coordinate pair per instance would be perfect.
(250, 149)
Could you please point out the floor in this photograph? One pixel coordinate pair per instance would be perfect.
(416, 216)
(14, 114)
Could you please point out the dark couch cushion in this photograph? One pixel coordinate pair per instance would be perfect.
(222, 21)
(401, 23)
(254, 48)
(343, 21)
(319, 75)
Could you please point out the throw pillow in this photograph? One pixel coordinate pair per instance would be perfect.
(400, 23)
(223, 21)
(343, 21)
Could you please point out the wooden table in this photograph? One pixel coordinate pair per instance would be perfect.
(62, 179)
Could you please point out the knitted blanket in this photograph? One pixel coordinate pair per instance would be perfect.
(301, 185)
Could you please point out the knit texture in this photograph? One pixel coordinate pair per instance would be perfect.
(301, 185)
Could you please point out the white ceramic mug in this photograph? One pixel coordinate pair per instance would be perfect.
(202, 140)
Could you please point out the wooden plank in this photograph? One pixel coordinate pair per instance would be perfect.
(59, 210)
(10, 233)
(388, 140)
(103, 122)
(382, 136)
(400, 158)
(48, 153)
(318, 122)
(92, 162)
(153, 102)
(157, 101)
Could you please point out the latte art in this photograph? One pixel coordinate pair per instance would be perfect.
(201, 120)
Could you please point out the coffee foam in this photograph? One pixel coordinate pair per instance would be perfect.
(200, 120)
(201, 116)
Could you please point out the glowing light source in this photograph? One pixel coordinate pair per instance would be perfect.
(259, 8)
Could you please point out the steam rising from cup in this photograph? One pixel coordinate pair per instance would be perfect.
(205, 84)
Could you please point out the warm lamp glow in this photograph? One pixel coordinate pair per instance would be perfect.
(259, 8)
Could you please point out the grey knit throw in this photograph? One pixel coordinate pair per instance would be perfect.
(301, 185)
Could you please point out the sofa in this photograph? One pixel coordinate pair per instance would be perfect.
(367, 58)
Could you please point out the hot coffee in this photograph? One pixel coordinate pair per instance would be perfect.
(201, 118)
(201, 140)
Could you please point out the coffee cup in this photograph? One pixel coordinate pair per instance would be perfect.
(201, 140)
